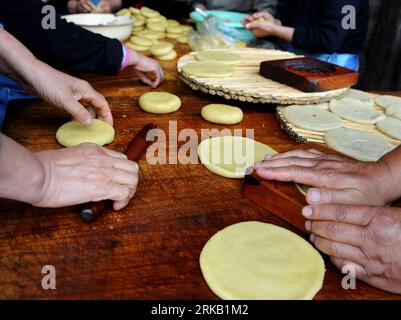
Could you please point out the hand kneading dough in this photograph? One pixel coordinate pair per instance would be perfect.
(225, 57)
(159, 102)
(208, 69)
(260, 261)
(222, 114)
(230, 156)
(384, 101)
(390, 127)
(360, 145)
(74, 133)
(356, 111)
(310, 118)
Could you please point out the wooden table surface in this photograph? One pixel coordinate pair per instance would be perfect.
(149, 250)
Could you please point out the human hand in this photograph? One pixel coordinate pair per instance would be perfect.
(70, 94)
(260, 16)
(86, 6)
(336, 180)
(262, 29)
(86, 173)
(367, 239)
(148, 70)
(104, 7)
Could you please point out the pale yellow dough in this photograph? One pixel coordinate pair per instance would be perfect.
(260, 261)
(390, 127)
(225, 56)
(207, 69)
(230, 156)
(161, 48)
(311, 118)
(74, 133)
(222, 114)
(169, 56)
(385, 101)
(358, 144)
(159, 102)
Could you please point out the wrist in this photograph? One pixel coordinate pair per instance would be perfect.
(282, 32)
(388, 179)
(42, 183)
(133, 57)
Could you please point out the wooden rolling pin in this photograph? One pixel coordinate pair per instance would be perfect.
(135, 150)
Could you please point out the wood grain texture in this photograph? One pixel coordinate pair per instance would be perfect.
(248, 86)
(149, 250)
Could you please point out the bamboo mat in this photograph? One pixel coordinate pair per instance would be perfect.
(248, 86)
(302, 136)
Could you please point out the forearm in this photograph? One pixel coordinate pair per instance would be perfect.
(21, 173)
(285, 33)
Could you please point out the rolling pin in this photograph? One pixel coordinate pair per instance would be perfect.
(135, 150)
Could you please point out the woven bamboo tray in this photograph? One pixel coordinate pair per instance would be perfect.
(248, 86)
(303, 136)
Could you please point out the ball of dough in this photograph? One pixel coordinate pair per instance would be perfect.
(161, 48)
(259, 261)
(159, 102)
(74, 133)
(222, 114)
(358, 144)
(224, 56)
(311, 118)
(208, 69)
(169, 56)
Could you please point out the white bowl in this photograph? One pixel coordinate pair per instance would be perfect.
(108, 25)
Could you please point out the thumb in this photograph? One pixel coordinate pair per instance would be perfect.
(79, 112)
(253, 25)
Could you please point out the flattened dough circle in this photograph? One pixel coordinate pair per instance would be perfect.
(390, 127)
(74, 133)
(208, 69)
(159, 102)
(384, 101)
(222, 114)
(161, 48)
(311, 118)
(230, 156)
(255, 261)
(360, 145)
(356, 111)
(225, 56)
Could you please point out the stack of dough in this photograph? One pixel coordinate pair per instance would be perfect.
(151, 24)
(163, 51)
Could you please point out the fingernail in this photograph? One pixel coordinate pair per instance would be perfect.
(89, 121)
(308, 225)
(314, 196)
(312, 238)
(307, 212)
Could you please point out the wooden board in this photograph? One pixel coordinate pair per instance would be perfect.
(248, 86)
(302, 136)
(150, 249)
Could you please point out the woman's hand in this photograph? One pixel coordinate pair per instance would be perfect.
(86, 173)
(367, 239)
(260, 16)
(86, 6)
(104, 7)
(148, 70)
(336, 180)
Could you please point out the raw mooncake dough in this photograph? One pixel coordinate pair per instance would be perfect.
(208, 69)
(159, 102)
(260, 261)
(384, 101)
(74, 133)
(225, 56)
(356, 111)
(390, 127)
(360, 145)
(222, 114)
(230, 156)
(311, 118)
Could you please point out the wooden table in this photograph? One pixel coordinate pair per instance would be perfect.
(149, 250)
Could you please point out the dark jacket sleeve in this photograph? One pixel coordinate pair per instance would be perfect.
(327, 36)
(67, 47)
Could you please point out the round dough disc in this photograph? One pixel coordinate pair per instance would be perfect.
(149, 13)
(384, 101)
(393, 108)
(136, 47)
(159, 102)
(169, 56)
(161, 48)
(225, 56)
(222, 114)
(141, 41)
(230, 156)
(356, 111)
(174, 30)
(360, 145)
(311, 118)
(74, 133)
(260, 261)
(208, 69)
(172, 35)
(156, 26)
(390, 127)
(360, 95)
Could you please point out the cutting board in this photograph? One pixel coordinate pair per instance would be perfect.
(283, 199)
(248, 85)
